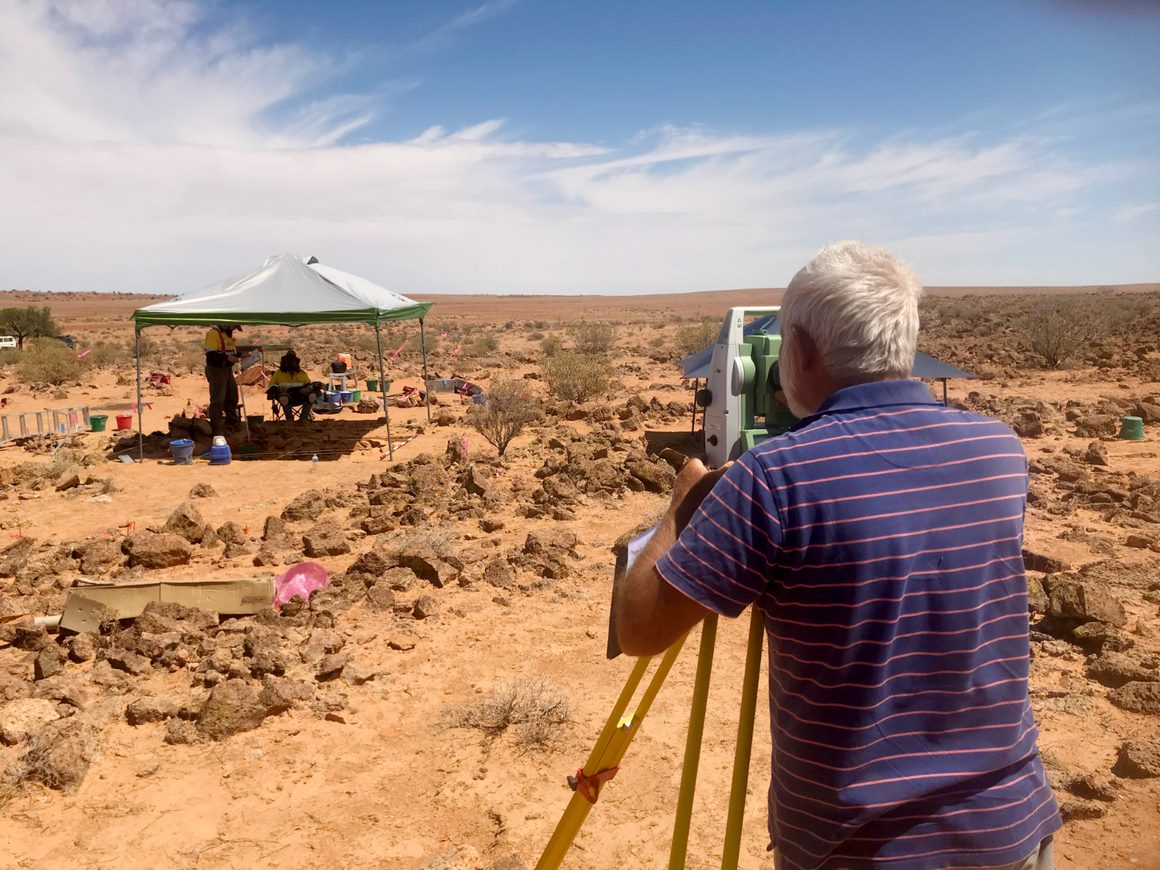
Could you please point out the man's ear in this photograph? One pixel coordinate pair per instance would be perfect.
(808, 358)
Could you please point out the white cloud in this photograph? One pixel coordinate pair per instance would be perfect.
(144, 156)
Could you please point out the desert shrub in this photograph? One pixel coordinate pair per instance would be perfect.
(414, 344)
(510, 407)
(535, 709)
(1059, 330)
(577, 377)
(49, 362)
(593, 338)
(694, 336)
(107, 354)
(483, 345)
(551, 345)
(535, 336)
(9, 356)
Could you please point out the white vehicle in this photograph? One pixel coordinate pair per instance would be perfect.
(8, 341)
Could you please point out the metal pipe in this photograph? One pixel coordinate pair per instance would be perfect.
(426, 386)
(383, 388)
(140, 428)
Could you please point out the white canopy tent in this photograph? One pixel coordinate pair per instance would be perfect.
(288, 291)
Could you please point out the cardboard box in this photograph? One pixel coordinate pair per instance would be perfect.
(88, 606)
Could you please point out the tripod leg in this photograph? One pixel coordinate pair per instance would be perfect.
(692, 760)
(744, 749)
(608, 751)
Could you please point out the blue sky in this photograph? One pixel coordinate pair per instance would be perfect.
(552, 146)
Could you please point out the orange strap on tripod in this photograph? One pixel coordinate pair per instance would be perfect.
(589, 786)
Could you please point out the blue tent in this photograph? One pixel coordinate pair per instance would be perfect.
(697, 365)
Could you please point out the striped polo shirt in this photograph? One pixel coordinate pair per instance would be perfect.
(882, 540)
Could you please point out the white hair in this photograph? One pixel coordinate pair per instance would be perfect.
(859, 304)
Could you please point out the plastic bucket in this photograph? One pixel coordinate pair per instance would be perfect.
(219, 454)
(97, 422)
(182, 450)
(356, 396)
(124, 421)
(344, 397)
(1132, 429)
(372, 385)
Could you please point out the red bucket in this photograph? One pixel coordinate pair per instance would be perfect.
(124, 421)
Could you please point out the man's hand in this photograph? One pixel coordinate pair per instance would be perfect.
(693, 483)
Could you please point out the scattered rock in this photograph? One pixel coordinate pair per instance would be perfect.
(128, 661)
(98, 556)
(230, 533)
(425, 607)
(1075, 808)
(402, 642)
(1139, 759)
(550, 542)
(498, 573)
(186, 522)
(150, 709)
(308, 506)
(1083, 602)
(49, 662)
(232, 707)
(325, 540)
(69, 481)
(1137, 697)
(491, 524)
(322, 642)
(381, 597)
(279, 694)
(59, 755)
(274, 529)
(462, 858)
(181, 731)
(1041, 562)
(30, 637)
(156, 550)
(1096, 454)
(1142, 542)
(83, 647)
(202, 490)
(654, 476)
(1116, 669)
(331, 666)
(23, 717)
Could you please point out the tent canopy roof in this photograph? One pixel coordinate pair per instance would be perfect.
(697, 365)
(288, 291)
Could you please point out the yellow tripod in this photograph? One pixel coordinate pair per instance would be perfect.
(604, 761)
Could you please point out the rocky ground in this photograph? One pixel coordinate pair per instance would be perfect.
(424, 708)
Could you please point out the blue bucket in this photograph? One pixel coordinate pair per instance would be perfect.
(220, 454)
(345, 396)
(182, 450)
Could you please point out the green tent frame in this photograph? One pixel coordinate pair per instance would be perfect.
(375, 317)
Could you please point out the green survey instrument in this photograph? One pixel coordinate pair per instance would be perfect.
(740, 402)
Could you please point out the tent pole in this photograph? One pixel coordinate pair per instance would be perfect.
(944, 380)
(140, 425)
(383, 388)
(426, 385)
(696, 389)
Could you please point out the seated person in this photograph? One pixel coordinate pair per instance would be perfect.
(291, 387)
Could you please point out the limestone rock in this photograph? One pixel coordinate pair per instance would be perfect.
(1137, 697)
(49, 662)
(150, 709)
(1083, 602)
(1139, 759)
(59, 755)
(1096, 454)
(23, 717)
(156, 550)
(232, 707)
(186, 522)
(1116, 669)
(308, 506)
(325, 540)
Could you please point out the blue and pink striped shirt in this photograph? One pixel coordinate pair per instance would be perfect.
(882, 540)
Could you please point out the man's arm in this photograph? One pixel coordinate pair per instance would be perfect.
(651, 613)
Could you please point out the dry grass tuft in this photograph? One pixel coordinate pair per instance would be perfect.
(533, 710)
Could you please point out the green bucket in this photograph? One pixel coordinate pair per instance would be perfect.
(356, 396)
(1132, 429)
(97, 422)
(372, 386)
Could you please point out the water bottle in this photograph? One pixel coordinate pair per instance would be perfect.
(314, 462)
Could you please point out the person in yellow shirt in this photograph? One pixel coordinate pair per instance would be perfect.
(221, 352)
(291, 387)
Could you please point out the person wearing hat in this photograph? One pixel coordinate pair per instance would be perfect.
(291, 387)
(221, 352)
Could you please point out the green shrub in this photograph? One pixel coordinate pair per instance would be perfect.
(483, 345)
(414, 344)
(9, 356)
(49, 362)
(510, 407)
(577, 377)
(551, 345)
(593, 338)
(535, 336)
(107, 354)
(1059, 330)
(694, 336)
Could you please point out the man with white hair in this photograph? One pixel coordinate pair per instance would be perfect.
(881, 538)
